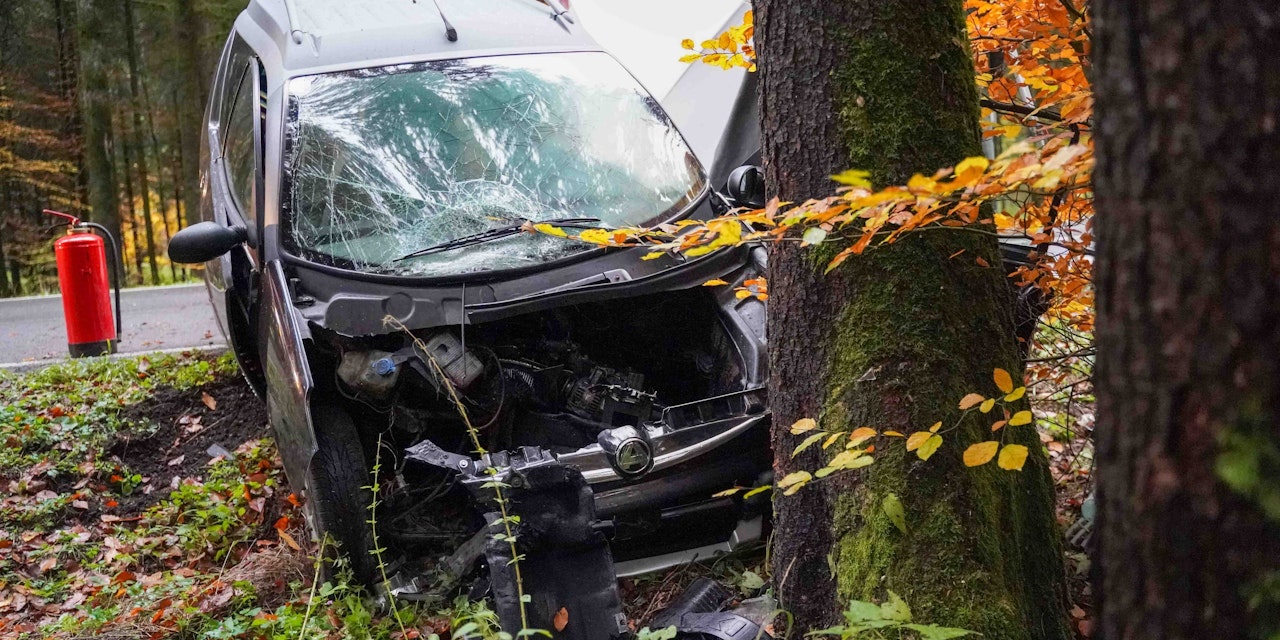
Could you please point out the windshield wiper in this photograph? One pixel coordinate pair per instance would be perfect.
(489, 235)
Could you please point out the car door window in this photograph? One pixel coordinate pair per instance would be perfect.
(238, 144)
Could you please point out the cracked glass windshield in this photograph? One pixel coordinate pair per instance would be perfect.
(388, 161)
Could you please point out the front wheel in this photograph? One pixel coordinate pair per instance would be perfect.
(340, 491)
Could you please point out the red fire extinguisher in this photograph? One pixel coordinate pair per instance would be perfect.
(82, 276)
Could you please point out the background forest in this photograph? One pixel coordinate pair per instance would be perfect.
(99, 104)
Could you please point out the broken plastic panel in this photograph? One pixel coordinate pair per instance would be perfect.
(383, 162)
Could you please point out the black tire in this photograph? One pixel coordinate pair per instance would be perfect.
(340, 495)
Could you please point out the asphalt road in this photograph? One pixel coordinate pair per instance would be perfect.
(155, 318)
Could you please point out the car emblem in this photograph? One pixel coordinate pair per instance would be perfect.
(633, 457)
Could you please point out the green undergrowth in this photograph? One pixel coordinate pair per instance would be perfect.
(62, 415)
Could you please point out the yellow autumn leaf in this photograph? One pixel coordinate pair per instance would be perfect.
(976, 164)
(854, 178)
(831, 440)
(802, 425)
(970, 400)
(916, 439)
(980, 453)
(987, 405)
(850, 459)
(550, 230)
(937, 425)
(1012, 457)
(1016, 394)
(727, 492)
(895, 434)
(715, 283)
(690, 57)
(1003, 380)
(1020, 418)
(929, 447)
(861, 435)
(595, 236)
(687, 43)
(793, 481)
(652, 255)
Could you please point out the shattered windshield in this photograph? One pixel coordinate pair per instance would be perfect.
(384, 162)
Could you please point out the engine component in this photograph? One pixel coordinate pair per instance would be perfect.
(458, 364)
(629, 451)
(371, 372)
(610, 396)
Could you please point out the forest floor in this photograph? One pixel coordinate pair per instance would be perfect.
(141, 498)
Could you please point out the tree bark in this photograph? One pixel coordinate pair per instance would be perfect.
(65, 24)
(189, 30)
(126, 172)
(94, 97)
(894, 338)
(135, 105)
(1188, 379)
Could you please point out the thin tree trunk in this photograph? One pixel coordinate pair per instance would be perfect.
(1188, 379)
(5, 289)
(135, 99)
(160, 190)
(127, 173)
(178, 205)
(894, 338)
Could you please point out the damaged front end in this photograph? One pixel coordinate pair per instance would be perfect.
(610, 413)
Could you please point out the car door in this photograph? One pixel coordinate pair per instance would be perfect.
(236, 187)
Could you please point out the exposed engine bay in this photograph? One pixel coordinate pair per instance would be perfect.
(555, 379)
(593, 416)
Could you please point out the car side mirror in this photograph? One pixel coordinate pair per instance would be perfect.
(204, 241)
(745, 186)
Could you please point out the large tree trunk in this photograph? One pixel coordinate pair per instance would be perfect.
(65, 28)
(189, 30)
(135, 105)
(1188, 188)
(96, 113)
(894, 338)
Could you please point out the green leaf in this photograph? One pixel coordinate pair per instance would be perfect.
(808, 441)
(813, 235)
(860, 611)
(892, 507)
(934, 632)
(929, 447)
(667, 633)
(896, 609)
(465, 630)
(750, 581)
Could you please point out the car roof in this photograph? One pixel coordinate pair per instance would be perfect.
(314, 36)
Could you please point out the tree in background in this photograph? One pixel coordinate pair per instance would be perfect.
(893, 338)
(100, 109)
(1189, 319)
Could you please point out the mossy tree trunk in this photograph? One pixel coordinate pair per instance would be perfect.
(893, 339)
(1188, 378)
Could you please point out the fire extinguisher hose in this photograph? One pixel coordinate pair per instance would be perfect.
(114, 259)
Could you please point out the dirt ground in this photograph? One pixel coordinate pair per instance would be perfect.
(176, 433)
